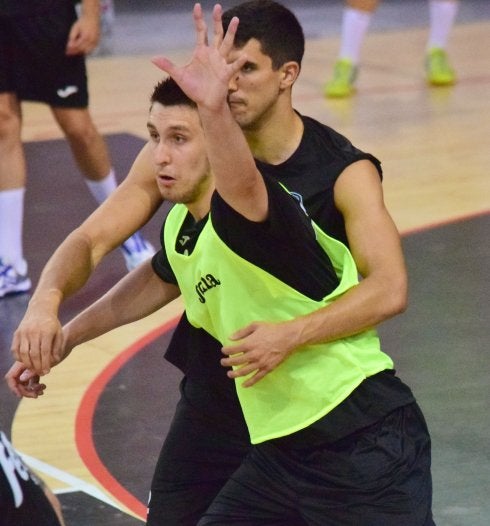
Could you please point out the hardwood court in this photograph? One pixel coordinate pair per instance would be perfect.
(434, 147)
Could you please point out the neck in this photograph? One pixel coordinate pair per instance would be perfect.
(201, 206)
(276, 139)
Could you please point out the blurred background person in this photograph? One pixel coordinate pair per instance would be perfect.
(356, 19)
(43, 44)
(24, 498)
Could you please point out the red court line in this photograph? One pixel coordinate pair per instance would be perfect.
(444, 222)
(85, 416)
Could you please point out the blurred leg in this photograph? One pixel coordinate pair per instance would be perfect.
(355, 24)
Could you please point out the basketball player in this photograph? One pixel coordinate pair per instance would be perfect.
(242, 263)
(42, 58)
(342, 192)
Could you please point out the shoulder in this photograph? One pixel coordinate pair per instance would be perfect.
(358, 189)
(335, 143)
(314, 128)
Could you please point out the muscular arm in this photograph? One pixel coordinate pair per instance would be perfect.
(376, 248)
(381, 294)
(237, 179)
(136, 295)
(73, 262)
(236, 176)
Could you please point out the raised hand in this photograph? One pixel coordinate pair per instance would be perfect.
(205, 80)
(206, 77)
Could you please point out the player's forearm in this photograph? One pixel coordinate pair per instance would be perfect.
(138, 294)
(228, 151)
(90, 323)
(65, 273)
(237, 179)
(362, 307)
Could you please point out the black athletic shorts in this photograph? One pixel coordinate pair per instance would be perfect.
(199, 455)
(378, 476)
(33, 64)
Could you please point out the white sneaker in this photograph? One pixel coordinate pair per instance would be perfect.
(136, 249)
(12, 281)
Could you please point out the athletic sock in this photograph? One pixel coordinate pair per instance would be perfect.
(355, 24)
(442, 14)
(11, 219)
(103, 188)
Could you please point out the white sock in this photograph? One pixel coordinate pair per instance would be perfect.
(355, 24)
(103, 188)
(101, 191)
(442, 14)
(11, 218)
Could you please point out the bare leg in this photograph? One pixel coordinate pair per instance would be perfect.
(88, 146)
(442, 15)
(363, 5)
(356, 19)
(92, 156)
(12, 183)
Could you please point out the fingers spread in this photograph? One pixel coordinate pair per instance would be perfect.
(229, 38)
(164, 64)
(217, 26)
(200, 25)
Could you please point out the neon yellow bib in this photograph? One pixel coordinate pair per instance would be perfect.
(223, 292)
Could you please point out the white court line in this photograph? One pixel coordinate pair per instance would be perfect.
(75, 483)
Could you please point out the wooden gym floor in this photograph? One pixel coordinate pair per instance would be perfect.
(95, 435)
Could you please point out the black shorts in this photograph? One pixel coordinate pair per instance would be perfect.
(378, 476)
(33, 64)
(201, 452)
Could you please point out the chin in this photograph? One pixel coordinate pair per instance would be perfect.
(244, 121)
(239, 114)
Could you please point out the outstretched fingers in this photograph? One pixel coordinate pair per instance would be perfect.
(165, 64)
(229, 37)
(227, 46)
(200, 25)
(205, 78)
(237, 64)
(217, 26)
(223, 43)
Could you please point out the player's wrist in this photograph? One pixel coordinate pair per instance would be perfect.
(47, 302)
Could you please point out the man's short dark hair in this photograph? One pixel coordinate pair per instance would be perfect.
(276, 28)
(168, 93)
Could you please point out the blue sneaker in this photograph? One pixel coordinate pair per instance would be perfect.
(136, 249)
(12, 281)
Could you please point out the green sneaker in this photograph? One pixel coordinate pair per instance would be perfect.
(439, 71)
(342, 82)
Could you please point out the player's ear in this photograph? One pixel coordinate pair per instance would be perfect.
(289, 74)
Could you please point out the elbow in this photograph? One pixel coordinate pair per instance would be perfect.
(397, 302)
(400, 305)
(389, 296)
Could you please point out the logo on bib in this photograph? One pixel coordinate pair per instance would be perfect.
(205, 283)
